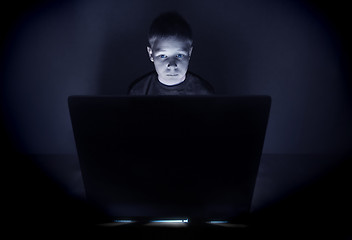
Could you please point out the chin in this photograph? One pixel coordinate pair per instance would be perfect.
(178, 79)
(174, 77)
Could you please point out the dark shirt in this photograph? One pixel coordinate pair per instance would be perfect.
(150, 85)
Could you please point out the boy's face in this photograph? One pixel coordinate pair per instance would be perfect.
(171, 57)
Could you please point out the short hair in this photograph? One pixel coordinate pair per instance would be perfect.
(170, 24)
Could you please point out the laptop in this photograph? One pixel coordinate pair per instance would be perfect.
(147, 158)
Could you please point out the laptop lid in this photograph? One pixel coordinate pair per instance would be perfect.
(166, 157)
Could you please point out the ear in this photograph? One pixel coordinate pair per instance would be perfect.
(150, 54)
(190, 52)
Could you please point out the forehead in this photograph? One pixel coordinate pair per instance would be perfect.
(171, 44)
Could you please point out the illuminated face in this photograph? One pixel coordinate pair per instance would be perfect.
(171, 58)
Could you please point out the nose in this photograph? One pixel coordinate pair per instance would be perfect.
(172, 64)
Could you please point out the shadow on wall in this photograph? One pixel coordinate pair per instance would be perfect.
(124, 60)
(218, 56)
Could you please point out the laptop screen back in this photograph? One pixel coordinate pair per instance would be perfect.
(170, 157)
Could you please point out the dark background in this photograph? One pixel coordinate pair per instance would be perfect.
(298, 52)
(295, 51)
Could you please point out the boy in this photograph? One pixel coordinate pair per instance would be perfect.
(170, 49)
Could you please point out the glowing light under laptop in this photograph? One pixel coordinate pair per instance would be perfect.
(124, 221)
(171, 221)
(217, 222)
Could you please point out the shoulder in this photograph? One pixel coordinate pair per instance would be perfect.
(201, 85)
(140, 85)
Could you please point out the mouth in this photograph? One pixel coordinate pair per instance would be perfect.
(171, 75)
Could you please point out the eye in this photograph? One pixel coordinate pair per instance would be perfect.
(179, 55)
(163, 56)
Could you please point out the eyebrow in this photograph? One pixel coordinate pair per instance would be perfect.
(163, 50)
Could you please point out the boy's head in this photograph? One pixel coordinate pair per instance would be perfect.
(170, 39)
